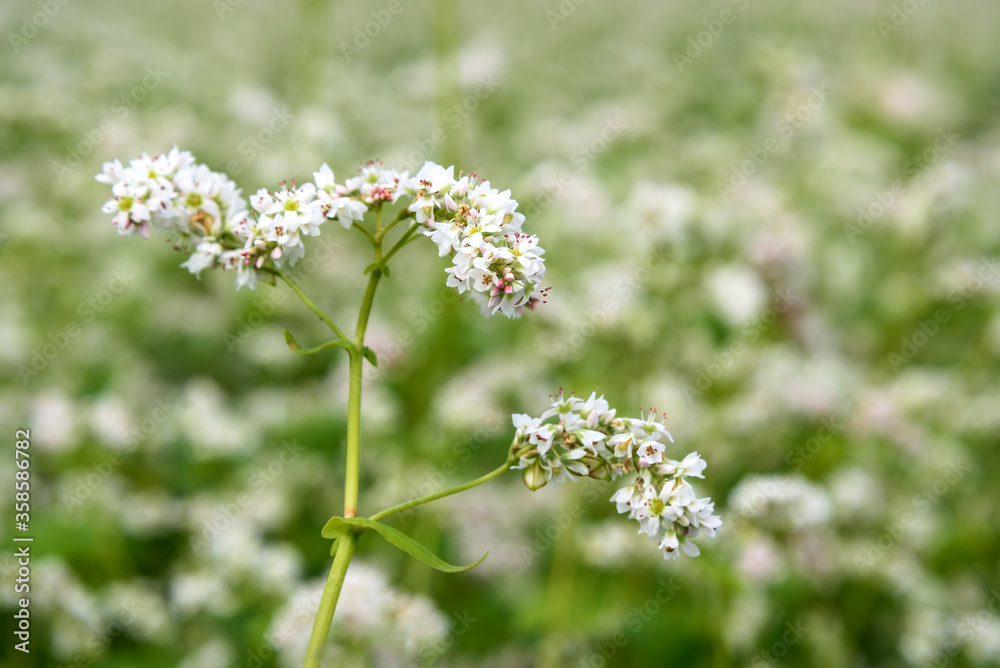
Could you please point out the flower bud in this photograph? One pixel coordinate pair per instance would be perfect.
(534, 477)
(597, 468)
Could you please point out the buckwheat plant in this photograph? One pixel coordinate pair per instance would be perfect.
(477, 227)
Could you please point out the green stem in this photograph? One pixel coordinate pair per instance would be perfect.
(440, 495)
(401, 216)
(352, 474)
(308, 302)
(401, 242)
(371, 237)
(328, 603)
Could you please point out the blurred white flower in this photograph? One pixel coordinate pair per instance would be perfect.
(55, 415)
(191, 593)
(212, 654)
(738, 293)
(789, 501)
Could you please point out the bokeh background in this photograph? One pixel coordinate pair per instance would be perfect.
(775, 221)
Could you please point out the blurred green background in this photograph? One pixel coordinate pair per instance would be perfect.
(774, 221)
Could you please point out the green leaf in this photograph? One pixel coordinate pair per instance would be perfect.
(295, 347)
(385, 270)
(370, 356)
(341, 526)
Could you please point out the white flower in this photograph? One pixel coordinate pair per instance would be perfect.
(626, 499)
(621, 445)
(650, 452)
(376, 185)
(542, 437)
(661, 506)
(692, 465)
(332, 200)
(590, 438)
(670, 542)
(204, 257)
(129, 206)
(700, 514)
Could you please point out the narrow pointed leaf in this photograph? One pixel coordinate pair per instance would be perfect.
(340, 526)
(296, 347)
(370, 356)
(291, 342)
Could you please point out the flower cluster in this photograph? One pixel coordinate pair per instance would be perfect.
(197, 208)
(474, 224)
(578, 438)
(478, 227)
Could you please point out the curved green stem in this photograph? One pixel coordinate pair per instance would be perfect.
(400, 217)
(447, 492)
(401, 242)
(308, 302)
(371, 237)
